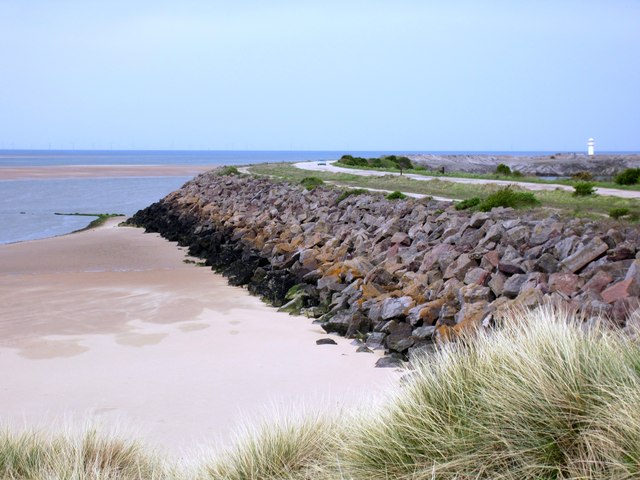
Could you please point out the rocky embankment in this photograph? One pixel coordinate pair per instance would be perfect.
(397, 275)
(559, 164)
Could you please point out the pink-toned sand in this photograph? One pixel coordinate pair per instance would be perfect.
(111, 325)
(99, 171)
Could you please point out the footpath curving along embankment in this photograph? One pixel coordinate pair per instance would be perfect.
(398, 275)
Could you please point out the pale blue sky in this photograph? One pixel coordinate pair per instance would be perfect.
(329, 75)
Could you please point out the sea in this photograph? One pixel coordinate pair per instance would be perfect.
(28, 207)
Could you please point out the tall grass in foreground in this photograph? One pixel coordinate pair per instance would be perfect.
(537, 398)
(283, 448)
(86, 456)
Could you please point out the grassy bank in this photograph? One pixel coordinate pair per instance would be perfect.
(538, 398)
(490, 176)
(100, 219)
(557, 199)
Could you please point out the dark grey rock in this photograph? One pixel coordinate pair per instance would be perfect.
(375, 340)
(547, 263)
(424, 332)
(339, 323)
(399, 338)
(395, 307)
(389, 362)
(513, 284)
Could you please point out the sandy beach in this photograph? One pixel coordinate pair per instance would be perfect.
(113, 326)
(99, 171)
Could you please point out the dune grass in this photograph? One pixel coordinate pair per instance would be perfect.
(287, 447)
(85, 456)
(539, 397)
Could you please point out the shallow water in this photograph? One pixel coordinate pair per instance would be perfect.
(28, 207)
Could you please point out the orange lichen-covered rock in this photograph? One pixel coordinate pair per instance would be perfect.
(431, 310)
(471, 316)
(371, 290)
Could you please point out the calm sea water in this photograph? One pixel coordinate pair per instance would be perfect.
(28, 207)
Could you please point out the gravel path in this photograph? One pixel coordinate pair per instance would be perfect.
(329, 167)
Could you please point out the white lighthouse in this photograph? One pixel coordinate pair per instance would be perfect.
(591, 145)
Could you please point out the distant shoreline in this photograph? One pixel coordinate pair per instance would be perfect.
(99, 171)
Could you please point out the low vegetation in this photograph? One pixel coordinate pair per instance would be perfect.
(508, 197)
(582, 177)
(397, 195)
(505, 171)
(392, 162)
(468, 204)
(624, 213)
(537, 397)
(101, 218)
(351, 192)
(557, 199)
(619, 212)
(584, 189)
(228, 170)
(311, 182)
(630, 176)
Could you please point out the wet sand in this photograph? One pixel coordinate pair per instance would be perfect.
(112, 325)
(100, 171)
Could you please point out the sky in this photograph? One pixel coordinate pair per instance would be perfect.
(320, 75)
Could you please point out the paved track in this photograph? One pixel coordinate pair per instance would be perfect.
(329, 167)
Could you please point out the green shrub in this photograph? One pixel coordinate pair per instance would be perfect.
(228, 170)
(351, 192)
(354, 161)
(503, 169)
(630, 176)
(311, 182)
(396, 196)
(583, 189)
(516, 173)
(382, 163)
(420, 168)
(582, 176)
(619, 212)
(507, 197)
(403, 163)
(469, 203)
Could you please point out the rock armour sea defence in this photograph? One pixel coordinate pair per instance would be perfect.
(398, 275)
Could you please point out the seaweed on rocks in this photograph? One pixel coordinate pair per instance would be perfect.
(386, 272)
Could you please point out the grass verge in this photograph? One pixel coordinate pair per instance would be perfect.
(492, 176)
(558, 199)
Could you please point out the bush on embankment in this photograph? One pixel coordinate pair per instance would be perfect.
(629, 176)
(386, 162)
(311, 182)
(505, 197)
(541, 397)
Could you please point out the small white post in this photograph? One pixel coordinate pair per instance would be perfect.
(591, 147)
